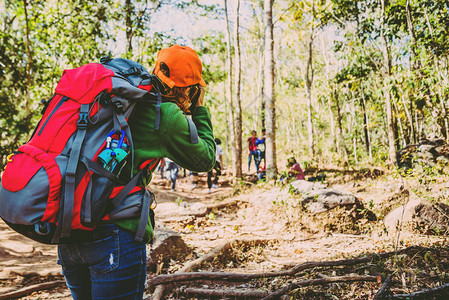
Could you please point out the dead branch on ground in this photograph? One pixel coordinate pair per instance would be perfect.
(183, 276)
(238, 293)
(319, 281)
(159, 291)
(440, 292)
(32, 288)
(384, 289)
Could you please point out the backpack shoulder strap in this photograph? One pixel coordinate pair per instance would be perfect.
(66, 210)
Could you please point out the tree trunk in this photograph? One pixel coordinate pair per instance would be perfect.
(28, 100)
(228, 148)
(270, 152)
(353, 128)
(411, 128)
(387, 64)
(411, 29)
(229, 90)
(329, 99)
(341, 143)
(237, 81)
(309, 81)
(443, 78)
(260, 114)
(399, 126)
(129, 26)
(366, 126)
(262, 74)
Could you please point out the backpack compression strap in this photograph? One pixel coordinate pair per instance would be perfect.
(146, 203)
(66, 207)
(158, 105)
(120, 124)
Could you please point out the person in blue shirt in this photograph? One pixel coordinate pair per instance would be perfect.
(260, 144)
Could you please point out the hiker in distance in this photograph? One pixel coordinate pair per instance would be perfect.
(218, 167)
(112, 265)
(252, 150)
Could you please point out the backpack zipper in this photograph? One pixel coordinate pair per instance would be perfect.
(63, 99)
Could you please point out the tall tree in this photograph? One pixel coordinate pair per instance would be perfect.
(309, 82)
(387, 66)
(237, 82)
(270, 153)
(229, 94)
(29, 59)
(129, 9)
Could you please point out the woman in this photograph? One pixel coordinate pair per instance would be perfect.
(112, 265)
(294, 170)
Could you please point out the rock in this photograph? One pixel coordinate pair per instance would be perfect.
(426, 148)
(426, 152)
(442, 160)
(302, 186)
(422, 216)
(167, 244)
(430, 218)
(318, 198)
(400, 214)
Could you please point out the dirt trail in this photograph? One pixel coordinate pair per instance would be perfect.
(269, 214)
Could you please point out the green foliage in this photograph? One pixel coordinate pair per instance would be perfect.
(349, 69)
(62, 35)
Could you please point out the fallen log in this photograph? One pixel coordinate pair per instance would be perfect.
(237, 293)
(32, 288)
(183, 276)
(383, 289)
(319, 281)
(440, 292)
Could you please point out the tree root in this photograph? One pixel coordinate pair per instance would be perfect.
(183, 276)
(319, 281)
(441, 292)
(32, 288)
(159, 291)
(384, 289)
(236, 293)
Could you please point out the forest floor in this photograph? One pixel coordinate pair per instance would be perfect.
(273, 232)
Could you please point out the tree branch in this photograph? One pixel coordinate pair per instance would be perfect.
(318, 281)
(224, 293)
(32, 288)
(159, 292)
(383, 289)
(441, 292)
(183, 276)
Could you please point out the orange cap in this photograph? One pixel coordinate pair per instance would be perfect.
(184, 65)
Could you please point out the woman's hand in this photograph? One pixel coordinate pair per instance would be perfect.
(200, 101)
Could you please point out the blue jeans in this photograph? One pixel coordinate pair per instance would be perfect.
(256, 159)
(112, 266)
(171, 173)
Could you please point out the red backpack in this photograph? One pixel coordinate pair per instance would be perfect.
(65, 179)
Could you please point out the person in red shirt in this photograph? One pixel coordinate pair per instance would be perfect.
(252, 150)
(294, 170)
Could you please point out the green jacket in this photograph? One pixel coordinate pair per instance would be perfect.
(172, 140)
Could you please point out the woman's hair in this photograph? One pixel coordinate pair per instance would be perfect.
(180, 95)
(291, 161)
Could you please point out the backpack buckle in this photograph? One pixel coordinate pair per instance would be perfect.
(42, 228)
(118, 107)
(83, 120)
